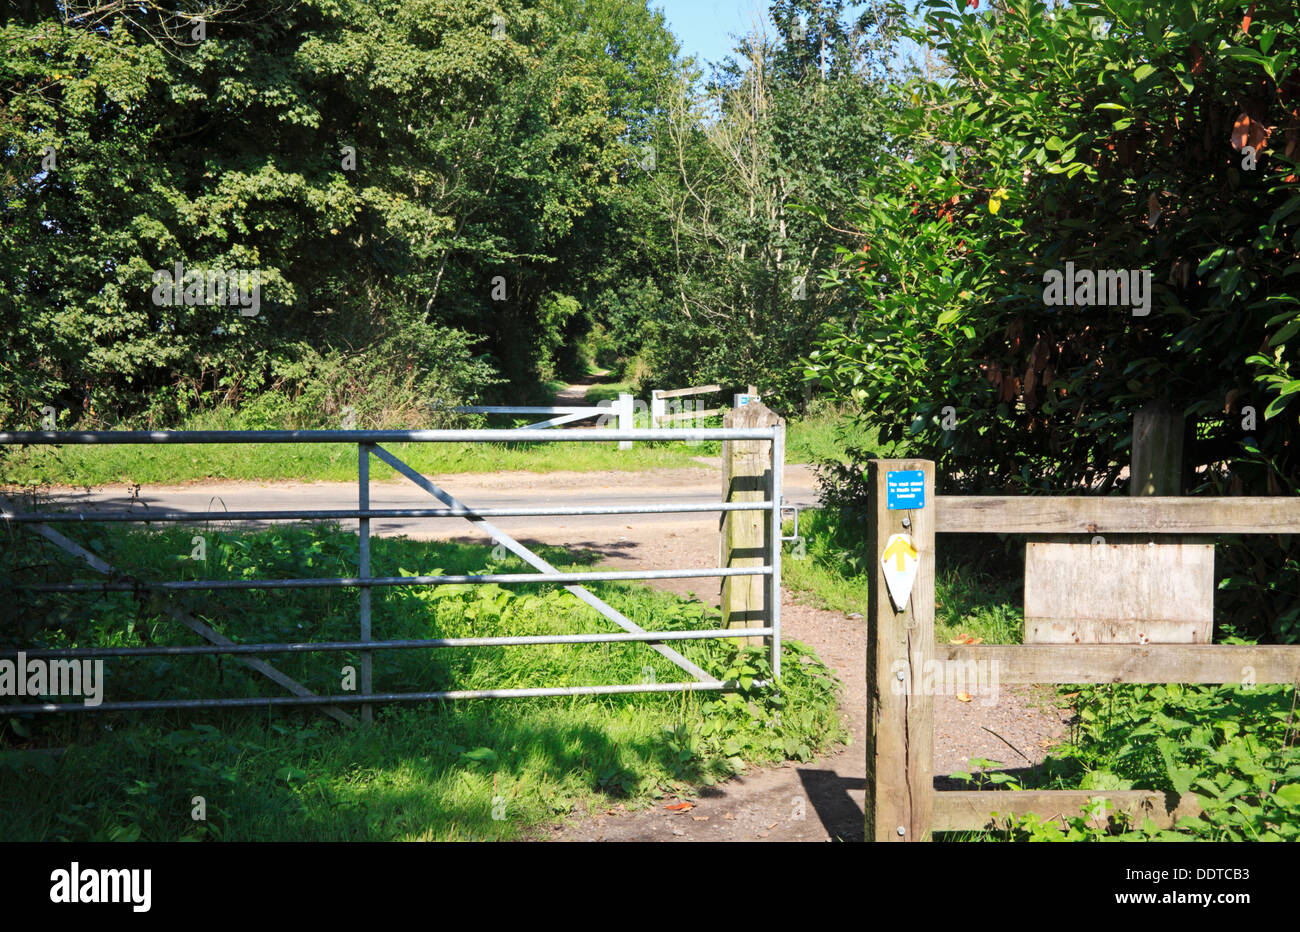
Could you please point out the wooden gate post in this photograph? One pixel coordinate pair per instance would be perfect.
(626, 418)
(747, 477)
(900, 710)
(656, 408)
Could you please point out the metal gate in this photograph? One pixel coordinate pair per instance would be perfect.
(368, 445)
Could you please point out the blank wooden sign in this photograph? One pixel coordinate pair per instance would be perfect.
(1120, 589)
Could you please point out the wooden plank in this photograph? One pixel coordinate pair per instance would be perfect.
(900, 716)
(1119, 589)
(973, 810)
(1021, 514)
(1233, 664)
(159, 603)
(745, 540)
(689, 415)
(682, 392)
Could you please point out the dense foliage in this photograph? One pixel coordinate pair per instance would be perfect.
(429, 184)
(1109, 136)
(1095, 137)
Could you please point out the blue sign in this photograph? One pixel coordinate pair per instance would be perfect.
(905, 489)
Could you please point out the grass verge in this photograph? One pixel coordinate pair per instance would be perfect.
(828, 569)
(484, 769)
(822, 435)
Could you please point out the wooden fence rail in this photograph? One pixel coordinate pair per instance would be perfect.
(902, 804)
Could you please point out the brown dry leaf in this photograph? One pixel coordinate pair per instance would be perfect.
(699, 818)
(963, 697)
(730, 816)
(680, 807)
(772, 826)
(1068, 695)
(1248, 132)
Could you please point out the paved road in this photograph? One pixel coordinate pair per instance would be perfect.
(499, 490)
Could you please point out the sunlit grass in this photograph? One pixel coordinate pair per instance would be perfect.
(476, 769)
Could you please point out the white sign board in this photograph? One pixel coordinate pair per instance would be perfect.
(899, 561)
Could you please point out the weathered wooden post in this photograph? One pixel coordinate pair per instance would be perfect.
(747, 476)
(900, 640)
(1157, 466)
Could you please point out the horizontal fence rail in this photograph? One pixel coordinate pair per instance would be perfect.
(1045, 514)
(531, 409)
(568, 413)
(300, 647)
(540, 692)
(367, 442)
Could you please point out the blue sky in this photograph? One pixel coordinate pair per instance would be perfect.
(703, 26)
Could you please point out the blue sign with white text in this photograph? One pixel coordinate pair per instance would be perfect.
(905, 489)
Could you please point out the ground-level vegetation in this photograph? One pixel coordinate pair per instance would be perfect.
(474, 769)
(1237, 748)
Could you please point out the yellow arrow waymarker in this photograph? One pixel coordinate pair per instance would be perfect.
(900, 549)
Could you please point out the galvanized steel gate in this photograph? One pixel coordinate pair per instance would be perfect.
(368, 445)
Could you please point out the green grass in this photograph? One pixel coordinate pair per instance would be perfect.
(829, 570)
(823, 435)
(484, 769)
(608, 391)
(307, 462)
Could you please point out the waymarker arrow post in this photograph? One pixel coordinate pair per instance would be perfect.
(900, 637)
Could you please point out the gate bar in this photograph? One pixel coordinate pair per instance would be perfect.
(546, 568)
(338, 514)
(356, 698)
(363, 569)
(517, 640)
(362, 582)
(579, 435)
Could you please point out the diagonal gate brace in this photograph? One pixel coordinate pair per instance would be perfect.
(202, 630)
(538, 563)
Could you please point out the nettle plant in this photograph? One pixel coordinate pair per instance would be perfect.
(1234, 748)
